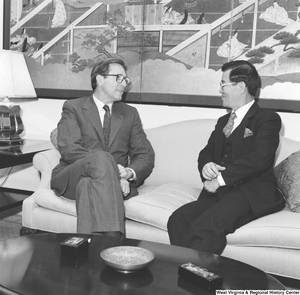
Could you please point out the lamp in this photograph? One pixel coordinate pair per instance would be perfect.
(15, 82)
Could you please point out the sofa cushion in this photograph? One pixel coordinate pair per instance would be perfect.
(277, 230)
(177, 148)
(287, 175)
(155, 207)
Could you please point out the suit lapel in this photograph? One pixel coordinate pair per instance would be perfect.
(117, 119)
(220, 135)
(246, 119)
(93, 116)
(238, 143)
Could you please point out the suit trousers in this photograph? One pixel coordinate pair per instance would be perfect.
(95, 182)
(203, 224)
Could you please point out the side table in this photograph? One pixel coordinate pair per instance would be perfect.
(14, 155)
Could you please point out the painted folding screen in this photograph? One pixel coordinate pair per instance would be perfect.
(174, 49)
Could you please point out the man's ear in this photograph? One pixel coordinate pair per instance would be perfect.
(99, 80)
(242, 86)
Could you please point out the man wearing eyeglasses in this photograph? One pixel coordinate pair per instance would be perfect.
(105, 154)
(236, 167)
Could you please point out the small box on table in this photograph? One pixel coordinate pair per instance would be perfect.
(199, 275)
(74, 251)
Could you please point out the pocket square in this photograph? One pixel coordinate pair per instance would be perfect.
(247, 132)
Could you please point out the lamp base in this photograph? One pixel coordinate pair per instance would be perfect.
(11, 125)
(14, 140)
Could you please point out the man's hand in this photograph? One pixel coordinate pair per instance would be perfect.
(211, 186)
(125, 186)
(211, 170)
(124, 173)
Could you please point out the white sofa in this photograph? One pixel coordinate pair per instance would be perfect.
(271, 243)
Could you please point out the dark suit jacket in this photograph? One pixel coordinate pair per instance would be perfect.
(253, 154)
(80, 132)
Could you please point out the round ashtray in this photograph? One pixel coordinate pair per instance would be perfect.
(127, 259)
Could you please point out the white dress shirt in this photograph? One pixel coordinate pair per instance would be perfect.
(240, 114)
(101, 111)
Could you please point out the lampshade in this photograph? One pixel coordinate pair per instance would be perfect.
(14, 76)
(15, 82)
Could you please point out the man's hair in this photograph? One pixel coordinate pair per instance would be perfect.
(243, 71)
(102, 68)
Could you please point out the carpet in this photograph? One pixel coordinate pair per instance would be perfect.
(10, 223)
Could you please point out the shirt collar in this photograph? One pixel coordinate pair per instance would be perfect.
(242, 111)
(100, 104)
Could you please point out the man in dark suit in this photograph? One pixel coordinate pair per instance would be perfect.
(105, 154)
(236, 168)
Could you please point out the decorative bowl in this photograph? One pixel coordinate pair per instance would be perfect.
(127, 259)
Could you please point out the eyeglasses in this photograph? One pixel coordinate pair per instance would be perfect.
(222, 85)
(119, 78)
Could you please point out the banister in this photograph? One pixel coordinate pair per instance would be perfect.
(222, 21)
(31, 14)
(66, 31)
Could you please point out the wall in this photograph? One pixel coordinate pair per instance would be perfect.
(166, 115)
(41, 116)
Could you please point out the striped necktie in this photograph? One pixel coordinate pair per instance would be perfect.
(106, 125)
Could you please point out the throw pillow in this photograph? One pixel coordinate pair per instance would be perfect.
(287, 175)
(53, 138)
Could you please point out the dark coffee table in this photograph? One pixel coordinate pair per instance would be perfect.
(32, 265)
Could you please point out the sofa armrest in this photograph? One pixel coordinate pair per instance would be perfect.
(44, 162)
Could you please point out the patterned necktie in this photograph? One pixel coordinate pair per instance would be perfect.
(228, 128)
(106, 125)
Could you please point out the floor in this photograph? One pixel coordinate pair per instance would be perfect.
(10, 214)
(10, 223)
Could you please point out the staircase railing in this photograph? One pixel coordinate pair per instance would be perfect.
(217, 25)
(273, 43)
(30, 15)
(203, 30)
(167, 28)
(41, 52)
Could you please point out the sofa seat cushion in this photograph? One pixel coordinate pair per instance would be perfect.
(48, 199)
(155, 207)
(278, 230)
(287, 175)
